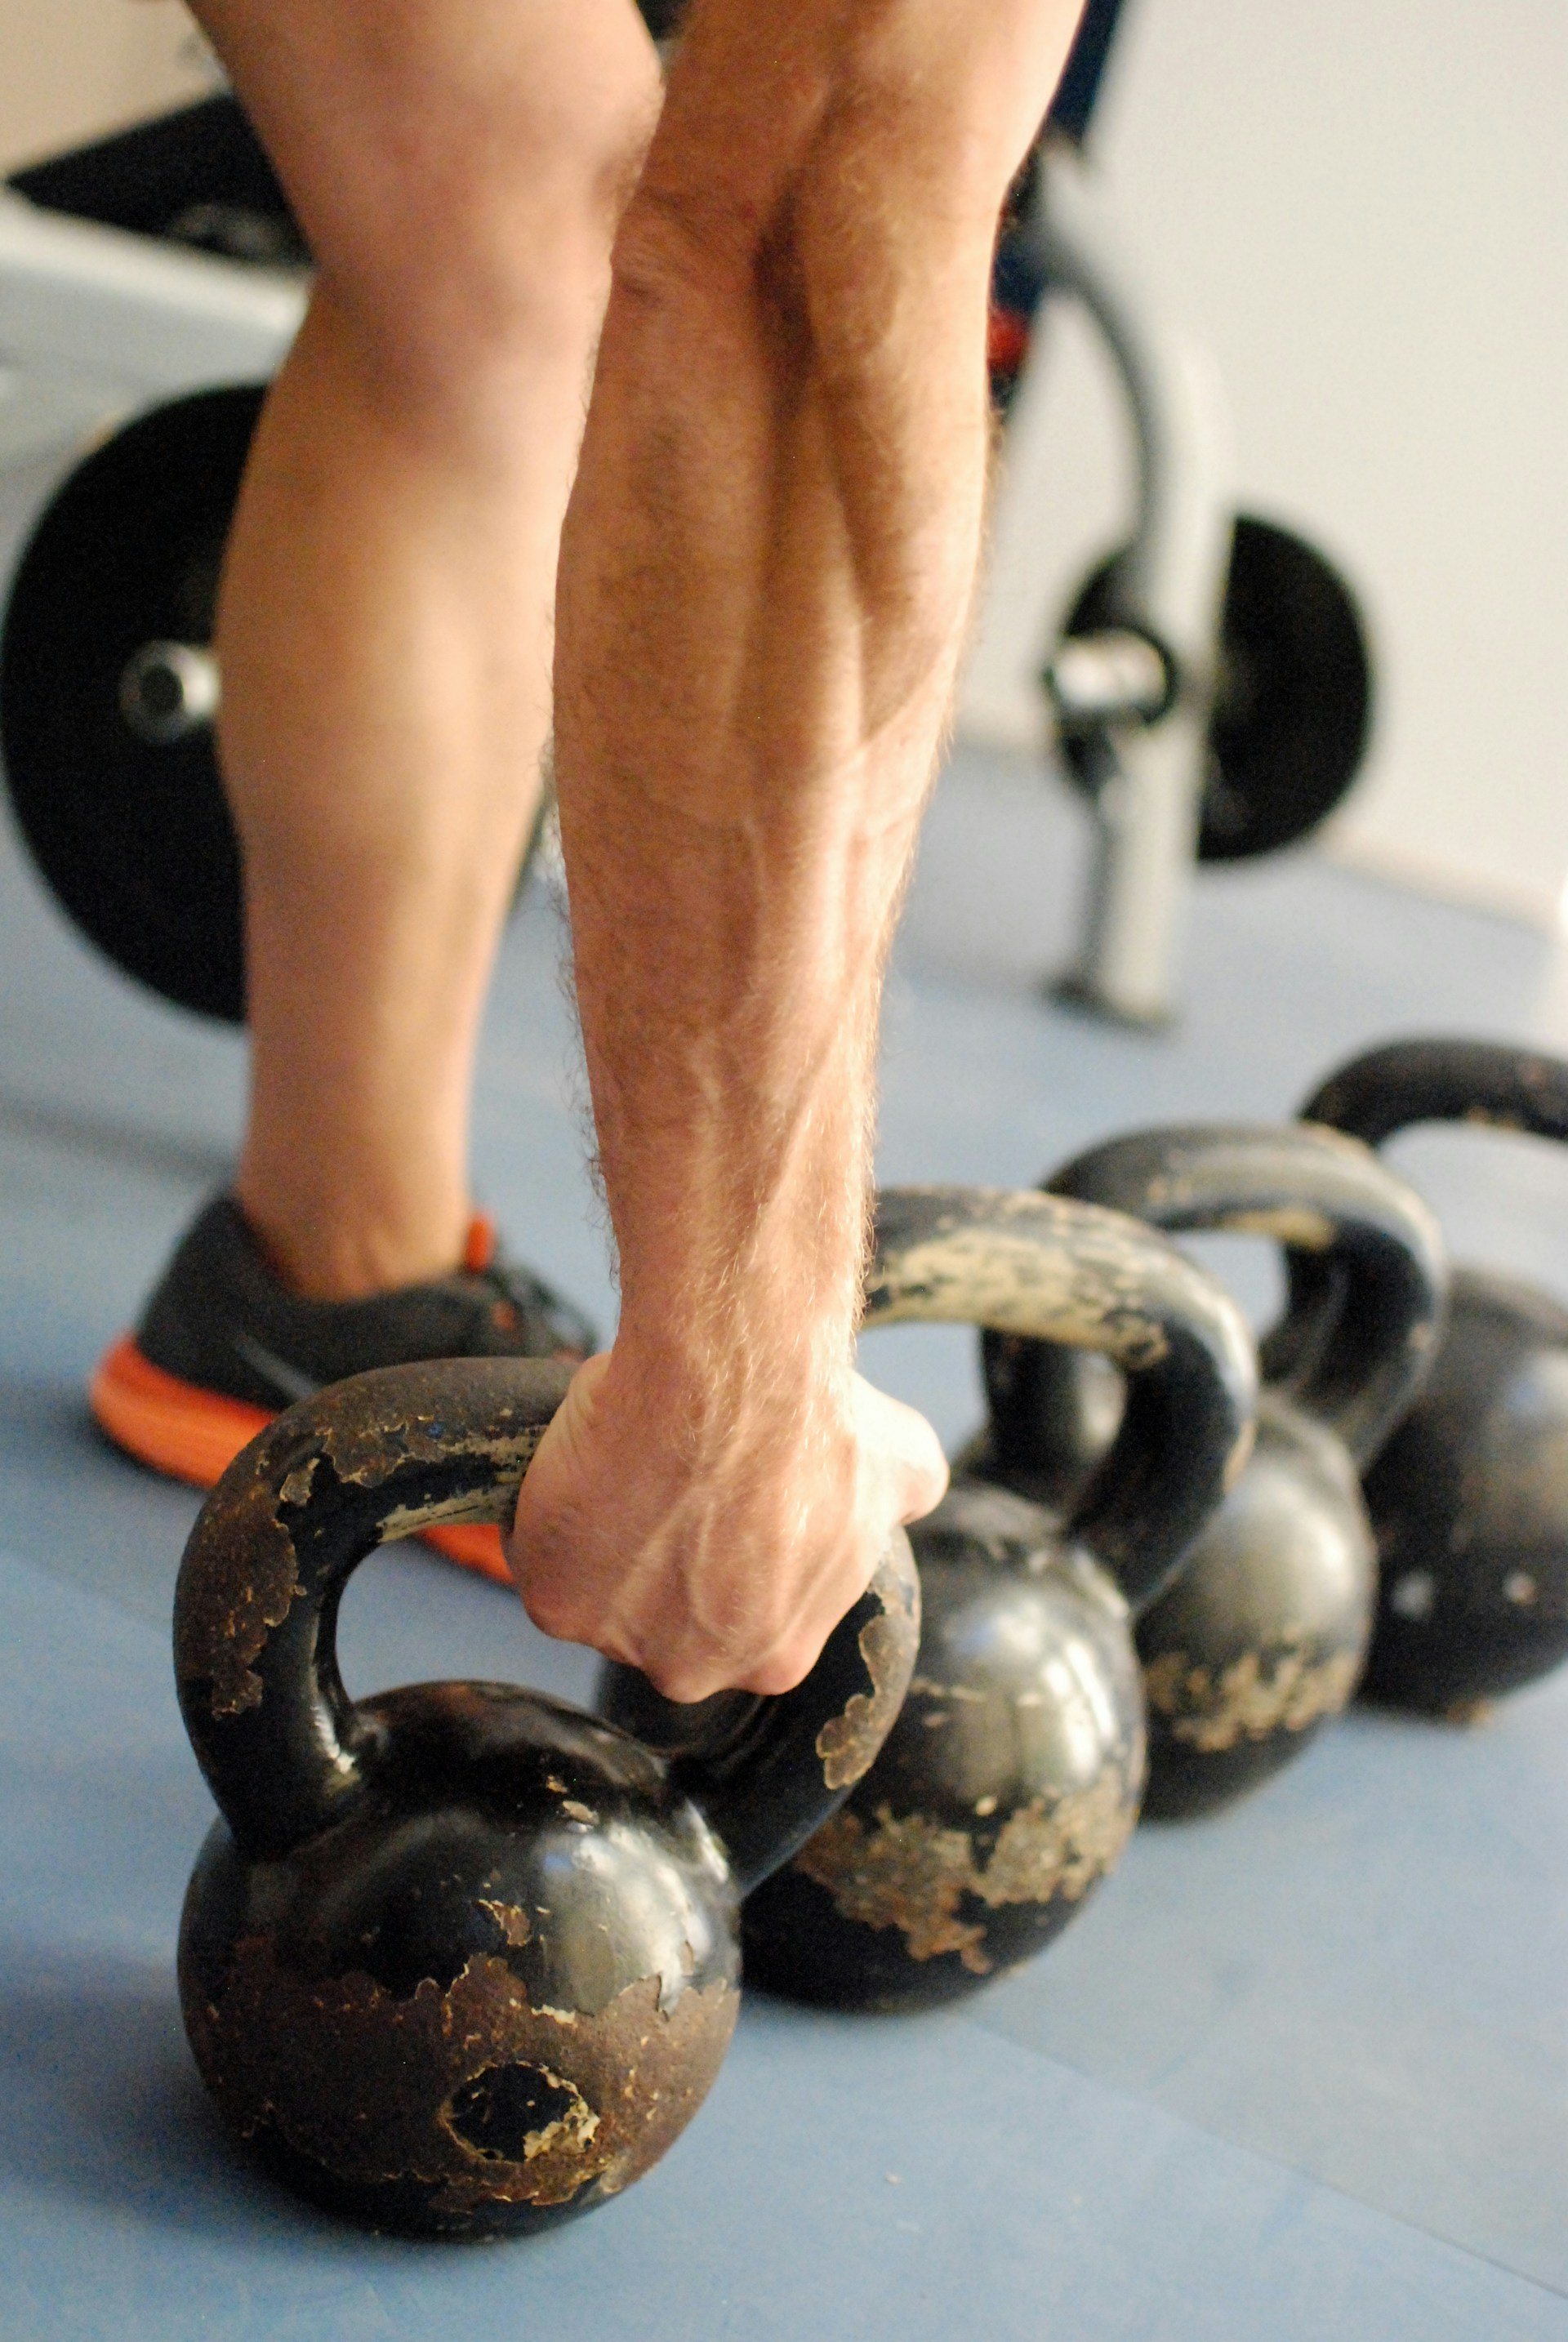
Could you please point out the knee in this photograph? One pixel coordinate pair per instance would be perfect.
(466, 219)
(895, 156)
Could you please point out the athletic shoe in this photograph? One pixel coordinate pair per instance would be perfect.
(224, 1346)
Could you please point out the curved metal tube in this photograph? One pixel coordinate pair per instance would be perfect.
(1172, 590)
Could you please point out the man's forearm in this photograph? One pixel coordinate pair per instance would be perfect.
(794, 548)
(728, 975)
(765, 577)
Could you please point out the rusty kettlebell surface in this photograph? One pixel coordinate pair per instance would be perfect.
(1469, 1498)
(459, 1959)
(1261, 1639)
(1011, 1781)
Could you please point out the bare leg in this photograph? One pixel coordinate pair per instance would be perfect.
(766, 573)
(386, 620)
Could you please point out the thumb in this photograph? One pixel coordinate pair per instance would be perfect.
(559, 1458)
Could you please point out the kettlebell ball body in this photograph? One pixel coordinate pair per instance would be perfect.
(1009, 1785)
(460, 1960)
(1261, 1638)
(1011, 1780)
(1469, 1498)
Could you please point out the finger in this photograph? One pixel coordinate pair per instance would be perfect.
(567, 1434)
(558, 1459)
(791, 1661)
(910, 1452)
(694, 1666)
(686, 1683)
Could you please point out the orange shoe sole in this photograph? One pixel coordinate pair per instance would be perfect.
(193, 1435)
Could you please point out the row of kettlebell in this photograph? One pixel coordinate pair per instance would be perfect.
(913, 1891)
(460, 1960)
(1469, 1498)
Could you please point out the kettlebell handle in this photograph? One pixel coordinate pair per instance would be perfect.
(1064, 1271)
(1368, 1275)
(1407, 1082)
(385, 1455)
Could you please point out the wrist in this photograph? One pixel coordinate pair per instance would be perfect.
(709, 1388)
(741, 1251)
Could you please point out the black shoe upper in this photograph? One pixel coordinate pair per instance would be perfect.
(222, 1319)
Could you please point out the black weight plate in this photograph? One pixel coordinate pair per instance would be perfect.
(1292, 711)
(134, 838)
(198, 174)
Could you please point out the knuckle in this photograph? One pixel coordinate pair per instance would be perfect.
(784, 1668)
(925, 1487)
(683, 1681)
(553, 1611)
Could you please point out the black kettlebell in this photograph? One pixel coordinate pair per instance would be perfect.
(1263, 1635)
(1011, 1781)
(459, 1959)
(1469, 1497)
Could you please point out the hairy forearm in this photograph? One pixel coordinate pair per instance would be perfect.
(728, 975)
(734, 883)
(765, 577)
(783, 538)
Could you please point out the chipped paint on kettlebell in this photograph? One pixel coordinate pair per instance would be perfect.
(916, 1874)
(848, 1743)
(1081, 1276)
(1003, 1794)
(469, 2096)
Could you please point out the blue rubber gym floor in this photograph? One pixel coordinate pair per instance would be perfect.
(1299, 2072)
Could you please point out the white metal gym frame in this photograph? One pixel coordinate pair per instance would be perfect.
(131, 317)
(1146, 685)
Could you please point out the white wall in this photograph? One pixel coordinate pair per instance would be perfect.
(1362, 208)
(72, 68)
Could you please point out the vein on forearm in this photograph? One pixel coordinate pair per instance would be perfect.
(765, 584)
(728, 984)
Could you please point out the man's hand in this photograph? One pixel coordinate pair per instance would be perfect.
(719, 1551)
